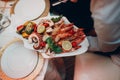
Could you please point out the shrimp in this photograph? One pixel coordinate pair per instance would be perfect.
(79, 39)
(57, 28)
(66, 27)
(62, 36)
(77, 33)
(60, 22)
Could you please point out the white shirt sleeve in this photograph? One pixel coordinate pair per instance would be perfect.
(106, 15)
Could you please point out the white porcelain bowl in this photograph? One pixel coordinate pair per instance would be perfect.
(18, 61)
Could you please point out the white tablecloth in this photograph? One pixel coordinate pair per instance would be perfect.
(8, 34)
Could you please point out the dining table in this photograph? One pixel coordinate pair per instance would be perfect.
(7, 35)
(8, 8)
(87, 66)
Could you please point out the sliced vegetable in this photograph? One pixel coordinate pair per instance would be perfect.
(35, 27)
(25, 35)
(29, 28)
(41, 28)
(66, 45)
(27, 22)
(20, 29)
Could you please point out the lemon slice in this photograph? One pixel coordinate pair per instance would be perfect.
(66, 45)
(40, 29)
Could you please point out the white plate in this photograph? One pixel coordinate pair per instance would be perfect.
(29, 9)
(18, 61)
(83, 49)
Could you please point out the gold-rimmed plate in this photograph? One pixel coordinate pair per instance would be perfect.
(29, 9)
(20, 63)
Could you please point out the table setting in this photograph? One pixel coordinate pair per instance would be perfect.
(8, 39)
(25, 21)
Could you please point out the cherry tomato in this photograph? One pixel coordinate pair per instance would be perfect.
(35, 27)
(74, 44)
(19, 27)
(42, 44)
(46, 24)
(71, 31)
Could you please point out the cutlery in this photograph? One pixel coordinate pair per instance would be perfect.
(59, 2)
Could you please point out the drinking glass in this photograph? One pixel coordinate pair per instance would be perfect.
(4, 19)
(4, 22)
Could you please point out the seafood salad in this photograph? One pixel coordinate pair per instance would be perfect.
(52, 35)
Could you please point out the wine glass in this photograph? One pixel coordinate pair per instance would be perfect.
(4, 20)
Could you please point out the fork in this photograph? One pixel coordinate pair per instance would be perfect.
(59, 2)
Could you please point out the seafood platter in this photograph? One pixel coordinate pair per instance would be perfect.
(53, 36)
